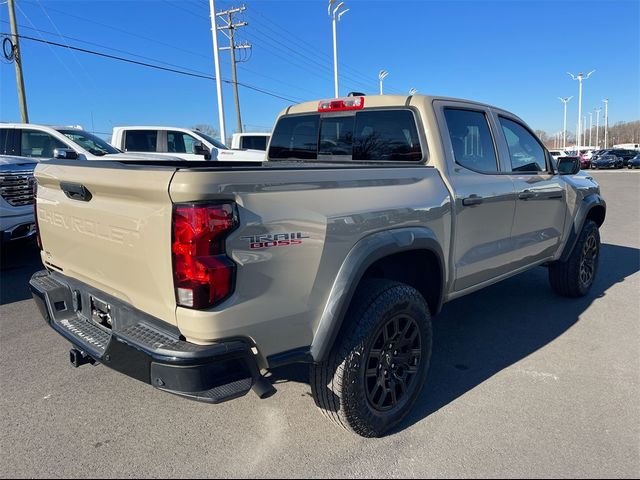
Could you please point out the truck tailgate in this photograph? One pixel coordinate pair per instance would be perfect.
(116, 238)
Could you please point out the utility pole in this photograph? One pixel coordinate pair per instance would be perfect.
(606, 121)
(598, 110)
(590, 126)
(17, 57)
(564, 129)
(216, 62)
(231, 27)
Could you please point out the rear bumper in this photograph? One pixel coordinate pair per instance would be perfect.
(143, 347)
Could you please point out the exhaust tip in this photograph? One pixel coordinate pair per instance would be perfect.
(263, 388)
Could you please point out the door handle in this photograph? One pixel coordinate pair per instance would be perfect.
(526, 195)
(472, 200)
(76, 191)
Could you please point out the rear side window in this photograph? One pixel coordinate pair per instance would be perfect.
(471, 140)
(141, 140)
(526, 153)
(296, 137)
(375, 135)
(254, 143)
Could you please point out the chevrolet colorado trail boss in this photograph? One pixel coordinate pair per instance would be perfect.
(370, 213)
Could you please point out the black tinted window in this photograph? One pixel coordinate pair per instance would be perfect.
(295, 137)
(255, 143)
(179, 142)
(471, 140)
(386, 135)
(336, 136)
(527, 155)
(141, 140)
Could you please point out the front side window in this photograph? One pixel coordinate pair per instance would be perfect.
(141, 140)
(471, 140)
(179, 142)
(526, 153)
(38, 144)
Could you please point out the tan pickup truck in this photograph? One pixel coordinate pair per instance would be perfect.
(369, 215)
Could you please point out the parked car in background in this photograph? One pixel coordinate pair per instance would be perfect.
(624, 154)
(558, 153)
(634, 162)
(177, 142)
(607, 161)
(42, 141)
(628, 146)
(250, 141)
(16, 198)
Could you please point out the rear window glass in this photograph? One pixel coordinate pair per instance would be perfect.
(375, 135)
(141, 140)
(296, 137)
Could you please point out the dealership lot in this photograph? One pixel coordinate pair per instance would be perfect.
(522, 383)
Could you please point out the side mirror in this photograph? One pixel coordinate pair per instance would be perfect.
(201, 149)
(568, 165)
(65, 154)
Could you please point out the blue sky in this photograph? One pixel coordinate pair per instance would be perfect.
(513, 54)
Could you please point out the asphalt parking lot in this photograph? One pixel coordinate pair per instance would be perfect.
(523, 383)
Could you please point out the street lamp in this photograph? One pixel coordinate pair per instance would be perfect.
(580, 77)
(413, 91)
(381, 76)
(598, 110)
(606, 121)
(564, 130)
(336, 16)
(590, 126)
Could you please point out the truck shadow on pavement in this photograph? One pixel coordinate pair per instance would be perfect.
(18, 261)
(477, 336)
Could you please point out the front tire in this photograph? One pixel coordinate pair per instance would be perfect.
(379, 364)
(575, 277)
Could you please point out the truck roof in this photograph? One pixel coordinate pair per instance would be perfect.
(380, 101)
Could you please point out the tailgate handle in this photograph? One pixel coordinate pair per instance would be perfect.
(76, 191)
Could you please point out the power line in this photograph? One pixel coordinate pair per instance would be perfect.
(150, 65)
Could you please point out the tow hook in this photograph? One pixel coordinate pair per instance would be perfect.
(263, 388)
(79, 358)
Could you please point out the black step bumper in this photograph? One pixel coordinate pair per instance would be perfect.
(142, 346)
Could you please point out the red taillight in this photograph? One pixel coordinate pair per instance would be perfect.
(341, 104)
(203, 273)
(35, 211)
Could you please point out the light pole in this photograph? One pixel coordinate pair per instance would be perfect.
(580, 77)
(590, 126)
(336, 16)
(584, 130)
(598, 110)
(606, 121)
(564, 128)
(216, 61)
(413, 91)
(381, 76)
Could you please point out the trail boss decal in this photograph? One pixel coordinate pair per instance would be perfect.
(275, 240)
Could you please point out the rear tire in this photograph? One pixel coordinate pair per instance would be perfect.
(575, 277)
(378, 366)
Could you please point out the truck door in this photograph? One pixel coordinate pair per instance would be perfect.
(540, 195)
(484, 197)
